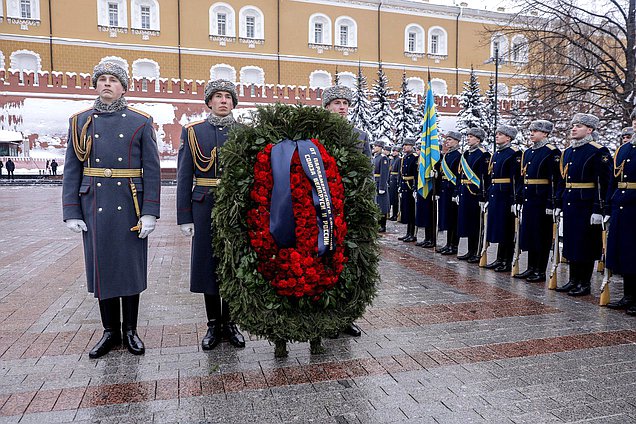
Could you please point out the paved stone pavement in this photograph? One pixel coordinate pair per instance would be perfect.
(444, 342)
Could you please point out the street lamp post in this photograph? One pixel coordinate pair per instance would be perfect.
(494, 132)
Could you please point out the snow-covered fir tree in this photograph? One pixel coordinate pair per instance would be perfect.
(360, 113)
(490, 108)
(407, 117)
(472, 113)
(610, 134)
(518, 118)
(382, 121)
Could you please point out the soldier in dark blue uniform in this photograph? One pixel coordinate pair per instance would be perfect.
(621, 201)
(586, 167)
(198, 176)
(473, 183)
(447, 181)
(540, 170)
(337, 99)
(394, 195)
(425, 213)
(381, 177)
(110, 194)
(408, 187)
(504, 194)
(626, 134)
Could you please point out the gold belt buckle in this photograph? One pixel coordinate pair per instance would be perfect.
(108, 172)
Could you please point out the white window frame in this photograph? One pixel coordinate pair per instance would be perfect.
(352, 31)
(230, 18)
(103, 17)
(348, 79)
(442, 41)
(136, 67)
(250, 69)
(442, 85)
(259, 22)
(14, 61)
(521, 51)
(326, 29)
(503, 46)
(416, 85)
(14, 10)
(419, 38)
(2, 60)
(224, 67)
(155, 15)
(319, 73)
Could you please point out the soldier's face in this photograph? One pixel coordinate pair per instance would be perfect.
(626, 138)
(472, 140)
(221, 103)
(339, 106)
(537, 136)
(501, 138)
(579, 131)
(394, 153)
(377, 149)
(109, 88)
(450, 142)
(407, 149)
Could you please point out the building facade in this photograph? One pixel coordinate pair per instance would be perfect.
(287, 42)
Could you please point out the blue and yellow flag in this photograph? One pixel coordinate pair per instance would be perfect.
(429, 153)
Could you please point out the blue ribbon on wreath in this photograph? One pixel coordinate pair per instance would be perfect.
(282, 224)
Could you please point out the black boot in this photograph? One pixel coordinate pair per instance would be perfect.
(212, 336)
(109, 311)
(628, 296)
(504, 266)
(525, 274)
(230, 330)
(494, 264)
(451, 251)
(130, 311)
(383, 224)
(443, 249)
(466, 256)
(537, 277)
(582, 289)
(352, 330)
(568, 286)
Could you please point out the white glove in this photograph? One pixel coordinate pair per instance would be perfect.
(557, 212)
(484, 206)
(187, 229)
(147, 223)
(516, 209)
(596, 219)
(549, 212)
(436, 198)
(455, 199)
(415, 194)
(605, 219)
(76, 225)
(433, 173)
(381, 191)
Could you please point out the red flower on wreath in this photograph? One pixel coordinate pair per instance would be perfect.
(297, 271)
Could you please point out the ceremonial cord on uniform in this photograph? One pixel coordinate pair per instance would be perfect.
(618, 169)
(82, 146)
(199, 156)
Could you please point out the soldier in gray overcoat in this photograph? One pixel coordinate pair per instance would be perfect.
(198, 175)
(110, 194)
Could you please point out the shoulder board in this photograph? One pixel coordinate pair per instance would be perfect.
(550, 146)
(147, 115)
(482, 149)
(82, 111)
(514, 148)
(595, 144)
(192, 124)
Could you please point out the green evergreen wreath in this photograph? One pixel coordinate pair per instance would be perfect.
(254, 303)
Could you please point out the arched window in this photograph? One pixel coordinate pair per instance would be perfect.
(222, 20)
(251, 23)
(346, 32)
(319, 79)
(252, 75)
(319, 29)
(348, 79)
(439, 86)
(2, 60)
(145, 15)
(499, 41)
(502, 90)
(26, 60)
(415, 84)
(519, 49)
(223, 71)
(112, 13)
(146, 70)
(519, 92)
(414, 39)
(116, 60)
(437, 41)
(24, 9)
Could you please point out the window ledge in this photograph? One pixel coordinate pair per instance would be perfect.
(437, 57)
(346, 49)
(251, 41)
(112, 30)
(222, 39)
(320, 47)
(24, 23)
(414, 55)
(145, 33)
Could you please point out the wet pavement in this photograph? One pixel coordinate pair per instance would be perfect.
(444, 342)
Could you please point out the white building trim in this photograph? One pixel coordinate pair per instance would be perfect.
(320, 79)
(223, 71)
(155, 14)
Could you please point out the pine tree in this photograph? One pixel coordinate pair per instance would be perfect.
(382, 120)
(407, 117)
(472, 113)
(490, 108)
(519, 119)
(360, 112)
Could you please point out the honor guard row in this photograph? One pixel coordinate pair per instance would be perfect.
(517, 199)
